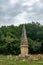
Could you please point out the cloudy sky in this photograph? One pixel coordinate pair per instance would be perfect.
(20, 11)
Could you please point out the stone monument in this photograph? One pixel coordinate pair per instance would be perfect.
(24, 43)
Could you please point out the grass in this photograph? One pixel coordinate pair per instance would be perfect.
(5, 61)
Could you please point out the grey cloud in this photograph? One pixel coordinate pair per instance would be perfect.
(7, 10)
(11, 10)
(4, 2)
(41, 1)
(14, 10)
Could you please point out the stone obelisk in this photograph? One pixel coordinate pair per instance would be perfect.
(24, 43)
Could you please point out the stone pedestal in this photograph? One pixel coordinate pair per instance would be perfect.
(24, 50)
(26, 57)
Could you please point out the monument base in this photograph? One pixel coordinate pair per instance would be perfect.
(24, 56)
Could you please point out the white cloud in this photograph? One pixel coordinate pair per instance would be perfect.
(12, 2)
(20, 11)
(20, 18)
(29, 2)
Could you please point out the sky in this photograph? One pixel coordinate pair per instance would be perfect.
(15, 12)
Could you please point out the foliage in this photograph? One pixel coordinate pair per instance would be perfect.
(10, 38)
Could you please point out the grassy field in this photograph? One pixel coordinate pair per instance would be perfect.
(5, 61)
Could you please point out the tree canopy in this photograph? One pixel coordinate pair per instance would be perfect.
(10, 38)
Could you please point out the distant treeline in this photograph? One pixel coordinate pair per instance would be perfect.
(10, 38)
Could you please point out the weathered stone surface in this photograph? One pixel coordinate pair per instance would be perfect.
(24, 43)
(9, 57)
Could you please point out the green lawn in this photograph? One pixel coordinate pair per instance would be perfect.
(4, 61)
